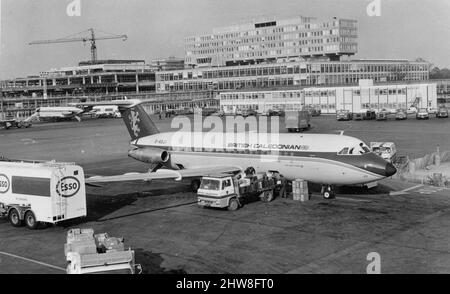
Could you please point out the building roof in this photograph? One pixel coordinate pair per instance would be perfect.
(111, 61)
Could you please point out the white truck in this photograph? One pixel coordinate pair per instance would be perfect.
(41, 192)
(386, 150)
(231, 191)
(87, 253)
(106, 111)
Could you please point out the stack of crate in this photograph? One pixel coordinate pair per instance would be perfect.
(300, 190)
(81, 241)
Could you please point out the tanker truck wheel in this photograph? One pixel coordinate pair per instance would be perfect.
(14, 218)
(30, 220)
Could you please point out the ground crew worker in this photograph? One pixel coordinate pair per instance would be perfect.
(282, 192)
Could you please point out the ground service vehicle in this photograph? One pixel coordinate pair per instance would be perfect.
(232, 192)
(249, 112)
(370, 115)
(343, 115)
(422, 114)
(297, 121)
(413, 108)
(219, 113)
(87, 253)
(107, 111)
(401, 114)
(382, 115)
(46, 192)
(432, 110)
(442, 112)
(184, 111)
(317, 111)
(275, 112)
(313, 111)
(386, 150)
(358, 116)
(12, 123)
(205, 111)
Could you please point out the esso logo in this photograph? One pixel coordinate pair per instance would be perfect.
(68, 187)
(4, 184)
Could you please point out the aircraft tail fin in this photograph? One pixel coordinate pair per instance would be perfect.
(138, 122)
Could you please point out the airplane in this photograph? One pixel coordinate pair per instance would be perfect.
(326, 159)
(57, 113)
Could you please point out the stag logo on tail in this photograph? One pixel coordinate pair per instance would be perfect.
(134, 122)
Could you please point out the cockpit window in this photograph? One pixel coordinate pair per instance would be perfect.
(356, 150)
(364, 148)
(344, 151)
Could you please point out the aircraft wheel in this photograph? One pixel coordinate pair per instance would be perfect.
(30, 220)
(195, 184)
(233, 205)
(14, 218)
(328, 195)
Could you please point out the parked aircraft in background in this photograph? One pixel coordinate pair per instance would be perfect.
(57, 113)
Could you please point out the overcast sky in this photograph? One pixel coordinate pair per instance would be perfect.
(406, 29)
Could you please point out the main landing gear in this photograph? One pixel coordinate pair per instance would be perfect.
(327, 192)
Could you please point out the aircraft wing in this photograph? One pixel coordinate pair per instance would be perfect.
(161, 174)
(121, 103)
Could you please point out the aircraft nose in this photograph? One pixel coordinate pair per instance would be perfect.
(390, 169)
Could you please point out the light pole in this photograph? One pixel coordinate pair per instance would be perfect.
(1, 103)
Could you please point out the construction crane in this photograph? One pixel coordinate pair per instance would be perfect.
(91, 38)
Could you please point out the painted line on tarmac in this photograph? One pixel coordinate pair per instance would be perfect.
(352, 199)
(33, 261)
(403, 192)
(145, 211)
(412, 188)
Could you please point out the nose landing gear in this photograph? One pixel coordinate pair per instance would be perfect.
(327, 192)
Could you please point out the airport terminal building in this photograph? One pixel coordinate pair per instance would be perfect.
(291, 74)
(329, 99)
(270, 39)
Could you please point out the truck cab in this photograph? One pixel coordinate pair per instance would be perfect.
(382, 115)
(297, 121)
(386, 150)
(218, 191)
(109, 111)
(442, 112)
(230, 191)
(344, 115)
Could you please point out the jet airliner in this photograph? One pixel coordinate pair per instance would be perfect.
(326, 159)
